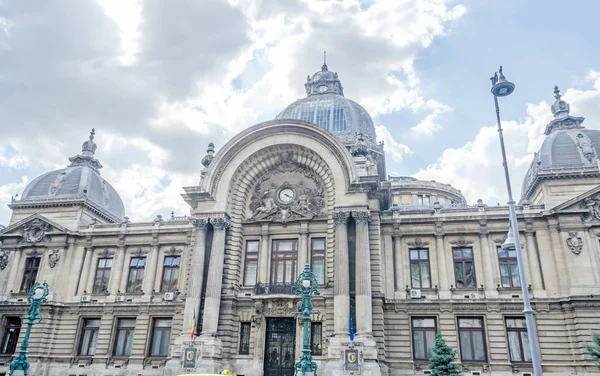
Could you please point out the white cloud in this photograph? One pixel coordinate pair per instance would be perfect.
(7, 191)
(155, 79)
(476, 168)
(396, 150)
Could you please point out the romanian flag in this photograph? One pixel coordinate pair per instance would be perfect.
(193, 326)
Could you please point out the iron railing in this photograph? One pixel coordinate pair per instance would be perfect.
(274, 288)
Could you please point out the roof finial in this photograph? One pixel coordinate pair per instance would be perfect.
(324, 67)
(89, 147)
(556, 92)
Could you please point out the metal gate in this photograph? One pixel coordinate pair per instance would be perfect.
(280, 347)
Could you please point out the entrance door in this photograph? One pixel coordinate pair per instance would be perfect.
(280, 347)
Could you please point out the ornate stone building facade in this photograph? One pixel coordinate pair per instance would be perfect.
(399, 257)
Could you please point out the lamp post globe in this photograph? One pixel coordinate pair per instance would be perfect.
(306, 283)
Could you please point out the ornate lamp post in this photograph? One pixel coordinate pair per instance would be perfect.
(502, 88)
(306, 286)
(37, 295)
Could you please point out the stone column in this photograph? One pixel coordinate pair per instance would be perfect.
(85, 271)
(398, 265)
(117, 271)
(91, 275)
(14, 266)
(263, 256)
(389, 277)
(547, 263)
(443, 266)
(212, 301)
(341, 287)
(535, 271)
(303, 248)
(364, 308)
(194, 287)
(151, 264)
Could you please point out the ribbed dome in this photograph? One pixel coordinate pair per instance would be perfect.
(568, 146)
(326, 106)
(81, 180)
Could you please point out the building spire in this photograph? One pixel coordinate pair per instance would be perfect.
(86, 158)
(324, 67)
(89, 147)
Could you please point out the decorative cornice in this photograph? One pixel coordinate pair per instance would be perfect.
(461, 242)
(361, 216)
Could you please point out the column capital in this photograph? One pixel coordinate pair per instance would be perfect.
(361, 216)
(341, 217)
(220, 223)
(200, 223)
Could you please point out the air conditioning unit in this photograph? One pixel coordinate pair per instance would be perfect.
(120, 298)
(169, 296)
(86, 298)
(473, 295)
(415, 294)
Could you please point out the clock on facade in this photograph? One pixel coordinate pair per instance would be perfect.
(286, 195)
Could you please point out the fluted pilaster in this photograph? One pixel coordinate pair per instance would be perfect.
(194, 288)
(214, 281)
(341, 287)
(364, 310)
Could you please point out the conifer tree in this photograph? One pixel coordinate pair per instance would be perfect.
(594, 348)
(442, 363)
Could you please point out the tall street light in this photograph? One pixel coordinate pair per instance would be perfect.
(502, 88)
(306, 286)
(37, 295)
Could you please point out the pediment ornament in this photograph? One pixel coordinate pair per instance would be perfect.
(173, 251)
(592, 207)
(287, 193)
(35, 231)
(417, 243)
(106, 253)
(461, 242)
(139, 252)
(575, 242)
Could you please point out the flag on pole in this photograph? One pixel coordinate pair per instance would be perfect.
(351, 327)
(193, 326)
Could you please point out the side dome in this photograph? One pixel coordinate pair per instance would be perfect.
(569, 148)
(80, 180)
(326, 106)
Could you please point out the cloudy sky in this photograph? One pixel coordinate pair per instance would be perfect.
(159, 80)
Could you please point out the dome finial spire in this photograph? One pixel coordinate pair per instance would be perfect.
(324, 67)
(89, 147)
(556, 92)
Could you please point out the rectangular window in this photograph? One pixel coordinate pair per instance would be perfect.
(472, 339)
(124, 337)
(464, 269)
(32, 265)
(136, 274)
(316, 338)
(161, 337)
(509, 269)
(284, 259)
(245, 339)
(89, 337)
(423, 336)
(251, 263)
(420, 275)
(318, 258)
(170, 276)
(518, 340)
(12, 328)
(102, 275)
(423, 199)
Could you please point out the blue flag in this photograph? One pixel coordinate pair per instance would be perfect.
(351, 327)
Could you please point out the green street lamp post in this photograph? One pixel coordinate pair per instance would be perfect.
(306, 286)
(37, 295)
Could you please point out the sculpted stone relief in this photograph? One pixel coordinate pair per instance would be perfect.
(34, 232)
(592, 205)
(287, 193)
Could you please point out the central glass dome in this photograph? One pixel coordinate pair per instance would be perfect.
(326, 106)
